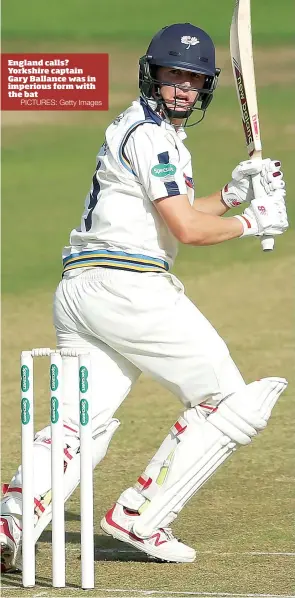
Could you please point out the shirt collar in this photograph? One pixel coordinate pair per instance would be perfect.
(149, 107)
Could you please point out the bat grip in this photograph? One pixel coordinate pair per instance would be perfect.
(267, 241)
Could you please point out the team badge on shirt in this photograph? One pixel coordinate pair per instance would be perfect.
(189, 181)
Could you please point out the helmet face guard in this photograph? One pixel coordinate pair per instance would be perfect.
(150, 86)
(187, 48)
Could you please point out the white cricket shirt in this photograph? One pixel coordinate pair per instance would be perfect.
(142, 159)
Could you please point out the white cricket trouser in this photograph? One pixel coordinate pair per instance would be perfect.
(138, 322)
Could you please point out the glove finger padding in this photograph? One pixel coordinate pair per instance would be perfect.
(272, 177)
(240, 188)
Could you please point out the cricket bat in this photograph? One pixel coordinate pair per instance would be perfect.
(243, 68)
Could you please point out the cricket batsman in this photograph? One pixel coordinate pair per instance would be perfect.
(119, 301)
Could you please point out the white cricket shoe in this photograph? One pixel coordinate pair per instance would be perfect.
(10, 537)
(118, 522)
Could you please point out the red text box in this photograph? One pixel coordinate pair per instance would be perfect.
(54, 81)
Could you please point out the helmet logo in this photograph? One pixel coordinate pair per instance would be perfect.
(190, 41)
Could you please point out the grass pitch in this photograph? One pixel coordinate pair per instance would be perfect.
(133, 22)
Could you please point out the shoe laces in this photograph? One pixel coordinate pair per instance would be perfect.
(168, 532)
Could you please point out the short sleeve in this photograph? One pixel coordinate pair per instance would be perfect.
(154, 159)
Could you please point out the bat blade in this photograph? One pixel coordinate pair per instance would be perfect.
(241, 52)
(244, 75)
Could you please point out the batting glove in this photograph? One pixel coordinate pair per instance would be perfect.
(265, 217)
(240, 188)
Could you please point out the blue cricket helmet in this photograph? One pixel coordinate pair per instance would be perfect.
(182, 46)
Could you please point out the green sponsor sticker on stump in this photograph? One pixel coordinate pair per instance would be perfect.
(53, 377)
(25, 378)
(54, 414)
(84, 406)
(25, 411)
(83, 379)
(84, 416)
(163, 170)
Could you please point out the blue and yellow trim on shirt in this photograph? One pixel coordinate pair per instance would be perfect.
(114, 259)
(121, 152)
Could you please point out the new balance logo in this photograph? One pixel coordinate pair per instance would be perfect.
(158, 540)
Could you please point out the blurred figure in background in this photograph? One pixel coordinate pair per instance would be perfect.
(119, 301)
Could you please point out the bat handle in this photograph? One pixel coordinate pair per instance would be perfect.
(267, 241)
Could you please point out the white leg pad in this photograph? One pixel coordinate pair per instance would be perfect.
(204, 444)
